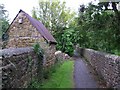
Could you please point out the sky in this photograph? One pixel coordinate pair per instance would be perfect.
(13, 6)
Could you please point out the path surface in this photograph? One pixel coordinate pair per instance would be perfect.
(82, 76)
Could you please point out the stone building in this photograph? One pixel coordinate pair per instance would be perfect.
(25, 31)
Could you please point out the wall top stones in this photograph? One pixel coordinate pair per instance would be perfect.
(15, 51)
(107, 55)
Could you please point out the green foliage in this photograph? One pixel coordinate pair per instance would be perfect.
(94, 27)
(54, 15)
(57, 17)
(3, 20)
(60, 78)
(68, 39)
(48, 71)
(2, 11)
(29, 59)
(99, 29)
(39, 51)
(36, 47)
(46, 75)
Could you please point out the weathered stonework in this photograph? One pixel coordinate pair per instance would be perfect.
(26, 35)
(22, 35)
(19, 66)
(107, 66)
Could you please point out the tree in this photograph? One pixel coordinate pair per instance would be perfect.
(57, 17)
(3, 19)
(2, 11)
(113, 5)
(99, 27)
(54, 15)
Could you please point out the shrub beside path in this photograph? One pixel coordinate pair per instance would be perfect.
(82, 75)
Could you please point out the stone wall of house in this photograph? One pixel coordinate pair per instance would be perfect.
(22, 30)
(19, 66)
(107, 65)
(49, 55)
(26, 35)
(23, 35)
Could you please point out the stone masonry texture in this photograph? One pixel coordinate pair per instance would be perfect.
(23, 35)
(19, 67)
(107, 65)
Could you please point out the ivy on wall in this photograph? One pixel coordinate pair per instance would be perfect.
(40, 54)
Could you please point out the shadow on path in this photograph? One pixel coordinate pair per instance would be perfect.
(82, 76)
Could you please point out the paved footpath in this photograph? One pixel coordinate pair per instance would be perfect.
(82, 76)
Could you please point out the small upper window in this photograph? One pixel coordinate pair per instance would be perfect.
(20, 21)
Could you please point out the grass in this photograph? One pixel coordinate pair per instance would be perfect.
(116, 52)
(61, 78)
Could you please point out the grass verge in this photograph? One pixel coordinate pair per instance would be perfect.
(61, 78)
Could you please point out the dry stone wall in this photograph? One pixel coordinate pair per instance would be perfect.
(16, 71)
(107, 66)
(19, 66)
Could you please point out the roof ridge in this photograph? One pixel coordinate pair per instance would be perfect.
(40, 27)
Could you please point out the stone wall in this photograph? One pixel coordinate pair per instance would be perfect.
(49, 55)
(107, 65)
(16, 72)
(19, 66)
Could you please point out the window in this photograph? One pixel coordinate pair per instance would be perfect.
(20, 21)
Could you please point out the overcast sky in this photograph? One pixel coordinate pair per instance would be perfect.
(13, 6)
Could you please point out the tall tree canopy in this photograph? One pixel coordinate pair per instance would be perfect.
(113, 4)
(54, 15)
(57, 17)
(100, 26)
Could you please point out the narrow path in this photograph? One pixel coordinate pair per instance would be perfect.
(82, 76)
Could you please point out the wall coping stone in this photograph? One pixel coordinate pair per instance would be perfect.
(107, 55)
(15, 51)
